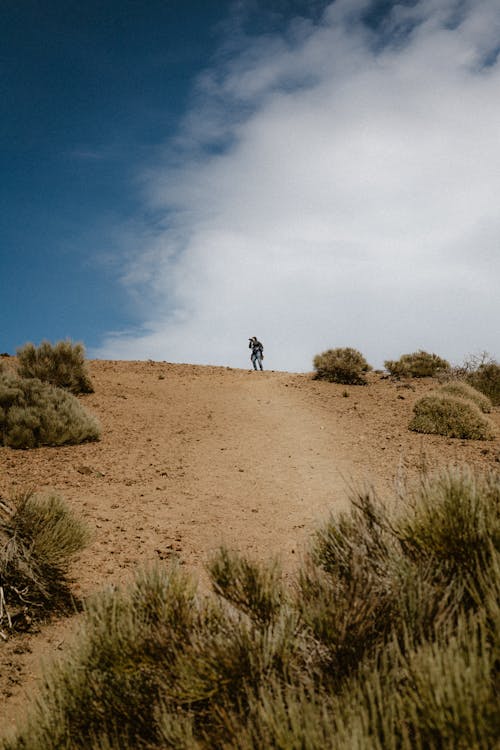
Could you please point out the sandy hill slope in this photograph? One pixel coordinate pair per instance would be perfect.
(192, 457)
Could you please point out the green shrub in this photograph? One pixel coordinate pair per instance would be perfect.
(454, 521)
(33, 413)
(441, 694)
(462, 390)
(487, 380)
(370, 589)
(389, 640)
(440, 414)
(417, 365)
(255, 589)
(110, 688)
(39, 536)
(61, 364)
(342, 365)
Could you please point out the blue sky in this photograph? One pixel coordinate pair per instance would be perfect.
(179, 176)
(89, 92)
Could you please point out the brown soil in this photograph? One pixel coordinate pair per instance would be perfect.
(191, 457)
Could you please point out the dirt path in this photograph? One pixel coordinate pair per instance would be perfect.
(192, 457)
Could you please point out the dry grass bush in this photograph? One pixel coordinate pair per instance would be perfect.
(110, 689)
(33, 413)
(443, 414)
(482, 372)
(462, 390)
(438, 695)
(155, 667)
(453, 521)
(39, 536)
(285, 717)
(419, 364)
(253, 588)
(342, 365)
(365, 590)
(61, 364)
(486, 378)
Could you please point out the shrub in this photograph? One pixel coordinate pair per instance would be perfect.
(39, 536)
(487, 380)
(342, 365)
(109, 690)
(440, 414)
(255, 589)
(462, 390)
(417, 365)
(454, 521)
(390, 640)
(33, 413)
(371, 591)
(439, 695)
(61, 364)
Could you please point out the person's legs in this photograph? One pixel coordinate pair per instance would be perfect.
(254, 361)
(260, 363)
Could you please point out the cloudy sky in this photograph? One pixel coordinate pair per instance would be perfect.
(183, 175)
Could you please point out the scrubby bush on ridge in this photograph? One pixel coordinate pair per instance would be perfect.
(461, 389)
(61, 364)
(487, 380)
(342, 365)
(416, 365)
(39, 536)
(391, 639)
(482, 372)
(441, 414)
(33, 413)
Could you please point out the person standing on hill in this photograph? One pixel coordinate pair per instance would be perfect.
(257, 352)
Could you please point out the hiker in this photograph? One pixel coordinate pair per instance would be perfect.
(257, 352)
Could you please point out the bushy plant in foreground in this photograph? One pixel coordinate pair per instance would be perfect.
(61, 364)
(33, 413)
(441, 414)
(452, 522)
(342, 365)
(39, 536)
(254, 589)
(419, 364)
(389, 640)
(462, 390)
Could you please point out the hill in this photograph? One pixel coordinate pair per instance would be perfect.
(193, 456)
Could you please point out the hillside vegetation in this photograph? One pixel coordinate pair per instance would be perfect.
(390, 638)
(61, 364)
(215, 473)
(33, 413)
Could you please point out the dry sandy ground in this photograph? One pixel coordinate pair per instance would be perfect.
(192, 457)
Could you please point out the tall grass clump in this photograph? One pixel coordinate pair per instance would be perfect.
(109, 691)
(255, 589)
(419, 364)
(486, 378)
(342, 365)
(39, 536)
(61, 364)
(461, 389)
(33, 413)
(453, 520)
(387, 639)
(443, 414)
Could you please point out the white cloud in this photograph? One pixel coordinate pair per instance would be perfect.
(355, 204)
